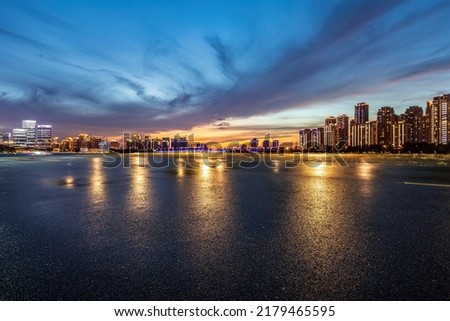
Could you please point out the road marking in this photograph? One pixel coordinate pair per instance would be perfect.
(427, 184)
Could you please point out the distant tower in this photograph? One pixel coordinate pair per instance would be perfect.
(147, 142)
(330, 132)
(44, 136)
(438, 130)
(330, 120)
(19, 136)
(361, 113)
(254, 142)
(414, 124)
(30, 127)
(385, 120)
(304, 138)
(343, 129)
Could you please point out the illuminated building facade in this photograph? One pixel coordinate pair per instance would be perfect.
(304, 138)
(415, 125)
(30, 127)
(361, 113)
(343, 129)
(370, 133)
(398, 133)
(19, 137)
(357, 125)
(385, 120)
(438, 120)
(44, 136)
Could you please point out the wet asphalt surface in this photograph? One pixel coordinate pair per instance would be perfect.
(71, 229)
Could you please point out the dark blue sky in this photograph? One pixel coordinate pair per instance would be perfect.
(150, 66)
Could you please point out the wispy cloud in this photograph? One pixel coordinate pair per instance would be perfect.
(22, 39)
(80, 73)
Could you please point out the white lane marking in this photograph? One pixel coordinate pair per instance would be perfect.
(427, 184)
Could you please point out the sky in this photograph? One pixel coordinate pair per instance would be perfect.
(223, 70)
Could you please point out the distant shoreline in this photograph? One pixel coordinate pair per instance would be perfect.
(429, 160)
(246, 154)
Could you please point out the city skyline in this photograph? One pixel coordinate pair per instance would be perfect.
(163, 68)
(389, 131)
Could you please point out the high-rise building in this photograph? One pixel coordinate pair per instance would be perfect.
(361, 113)
(67, 144)
(44, 136)
(424, 128)
(254, 142)
(330, 120)
(385, 120)
(357, 134)
(5, 137)
(19, 137)
(84, 142)
(357, 125)
(135, 144)
(180, 142)
(275, 143)
(438, 118)
(147, 142)
(96, 141)
(304, 138)
(166, 142)
(430, 128)
(398, 134)
(414, 125)
(30, 127)
(317, 137)
(56, 144)
(156, 143)
(370, 133)
(343, 129)
(330, 134)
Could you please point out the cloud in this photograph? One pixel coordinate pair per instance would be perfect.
(222, 125)
(164, 82)
(224, 57)
(139, 89)
(428, 66)
(48, 19)
(22, 39)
